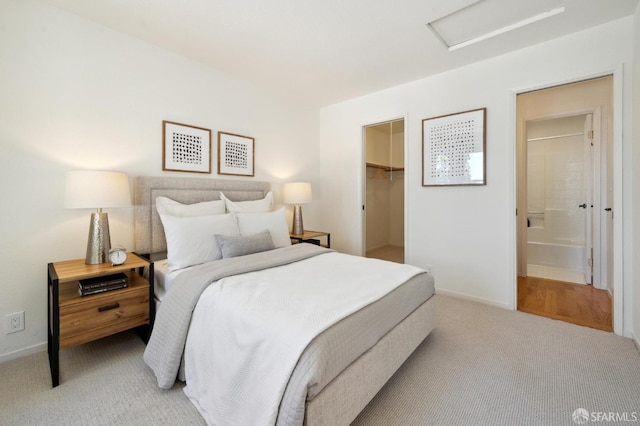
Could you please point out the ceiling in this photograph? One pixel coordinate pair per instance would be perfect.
(331, 50)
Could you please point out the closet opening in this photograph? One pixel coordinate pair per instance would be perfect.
(383, 206)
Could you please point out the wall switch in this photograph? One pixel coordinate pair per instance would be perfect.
(15, 322)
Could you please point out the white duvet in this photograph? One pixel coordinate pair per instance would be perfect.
(248, 331)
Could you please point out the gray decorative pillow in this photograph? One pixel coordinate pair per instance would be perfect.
(240, 246)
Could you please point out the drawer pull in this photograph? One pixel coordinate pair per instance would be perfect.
(108, 307)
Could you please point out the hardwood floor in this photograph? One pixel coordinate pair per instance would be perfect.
(575, 303)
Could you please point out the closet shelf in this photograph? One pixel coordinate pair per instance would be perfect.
(385, 168)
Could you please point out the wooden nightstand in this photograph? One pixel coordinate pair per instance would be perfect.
(311, 237)
(75, 319)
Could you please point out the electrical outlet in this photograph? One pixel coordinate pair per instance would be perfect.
(429, 269)
(15, 322)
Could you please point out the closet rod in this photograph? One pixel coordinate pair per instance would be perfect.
(385, 168)
(555, 137)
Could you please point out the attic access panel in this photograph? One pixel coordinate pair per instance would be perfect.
(484, 19)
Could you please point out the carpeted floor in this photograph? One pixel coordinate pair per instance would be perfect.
(480, 366)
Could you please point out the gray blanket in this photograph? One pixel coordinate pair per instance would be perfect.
(166, 345)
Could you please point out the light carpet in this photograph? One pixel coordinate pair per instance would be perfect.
(480, 366)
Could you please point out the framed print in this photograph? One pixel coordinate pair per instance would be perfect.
(235, 154)
(453, 149)
(185, 148)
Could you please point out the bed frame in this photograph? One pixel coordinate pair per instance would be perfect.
(340, 402)
(148, 230)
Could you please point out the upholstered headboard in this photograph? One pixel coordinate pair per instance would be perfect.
(149, 233)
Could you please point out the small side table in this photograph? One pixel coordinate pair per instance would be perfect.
(311, 237)
(75, 319)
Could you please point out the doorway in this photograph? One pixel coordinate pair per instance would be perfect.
(559, 195)
(565, 194)
(383, 206)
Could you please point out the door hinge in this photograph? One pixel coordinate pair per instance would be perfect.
(589, 262)
(590, 134)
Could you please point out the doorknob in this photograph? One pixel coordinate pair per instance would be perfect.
(583, 206)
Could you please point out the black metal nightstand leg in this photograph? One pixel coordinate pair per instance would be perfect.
(53, 325)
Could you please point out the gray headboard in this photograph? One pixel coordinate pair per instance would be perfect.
(149, 233)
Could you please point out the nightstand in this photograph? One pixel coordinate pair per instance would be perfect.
(311, 237)
(75, 319)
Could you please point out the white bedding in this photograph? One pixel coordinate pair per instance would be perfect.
(248, 331)
(163, 278)
(161, 283)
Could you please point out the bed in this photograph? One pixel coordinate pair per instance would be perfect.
(334, 374)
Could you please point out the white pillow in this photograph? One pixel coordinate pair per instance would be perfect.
(275, 222)
(191, 240)
(167, 206)
(255, 206)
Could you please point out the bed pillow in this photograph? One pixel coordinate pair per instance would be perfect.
(275, 222)
(167, 206)
(256, 206)
(248, 244)
(191, 240)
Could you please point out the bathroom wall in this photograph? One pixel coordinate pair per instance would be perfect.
(556, 181)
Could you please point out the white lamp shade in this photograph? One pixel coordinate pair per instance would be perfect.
(297, 193)
(96, 190)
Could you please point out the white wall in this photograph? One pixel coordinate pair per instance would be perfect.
(75, 95)
(466, 233)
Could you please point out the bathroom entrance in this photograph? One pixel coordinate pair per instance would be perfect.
(560, 198)
(565, 195)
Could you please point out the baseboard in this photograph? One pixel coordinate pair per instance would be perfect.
(473, 298)
(30, 350)
(636, 341)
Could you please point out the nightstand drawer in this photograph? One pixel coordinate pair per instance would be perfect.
(102, 315)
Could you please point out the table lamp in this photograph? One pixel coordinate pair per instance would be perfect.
(297, 193)
(97, 190)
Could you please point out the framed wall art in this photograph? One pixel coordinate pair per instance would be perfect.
(453, 149)
(185, 148)
(235, 154)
